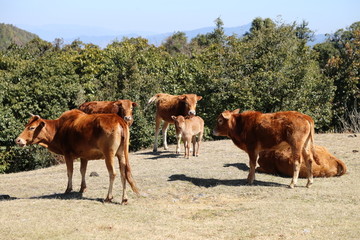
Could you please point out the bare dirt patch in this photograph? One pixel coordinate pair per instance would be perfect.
(200, 198)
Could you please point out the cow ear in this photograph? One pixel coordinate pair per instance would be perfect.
(182, 97)
(174, 117)
(118, 103)
(226, 115)
(199, 98)
(42, 124)
(236, 111)
(134, 104)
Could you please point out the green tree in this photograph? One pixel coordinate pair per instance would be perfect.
(339, 57)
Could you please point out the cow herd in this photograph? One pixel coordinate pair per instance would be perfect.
(281, 143)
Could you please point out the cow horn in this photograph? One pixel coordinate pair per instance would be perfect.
(32, 115)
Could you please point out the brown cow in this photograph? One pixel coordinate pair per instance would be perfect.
(86, 136)
(171, 105)
(254, 132)
(187, 129)
(123, 108)
(279, 162)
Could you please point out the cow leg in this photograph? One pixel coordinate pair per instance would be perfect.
(70, 169)
(178, 137)
(83, 165)
(195, 152)
(164, 132)
(185, 147)
(157, 130)
(198, 143)
(122, 166)
(252, 162)
(109, 160)
(297, 157)
(308, 162)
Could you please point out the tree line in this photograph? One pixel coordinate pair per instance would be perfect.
(271, 68)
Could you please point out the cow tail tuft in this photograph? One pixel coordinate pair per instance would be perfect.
(128, 174)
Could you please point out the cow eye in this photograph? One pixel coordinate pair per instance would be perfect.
(32, 128)
(220, 121)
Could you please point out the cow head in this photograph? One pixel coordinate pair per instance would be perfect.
(179, 122)
(33, 132)
(223, 122)
(125, 110)
(190, 101)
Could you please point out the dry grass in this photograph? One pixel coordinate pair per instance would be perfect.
(201, 198)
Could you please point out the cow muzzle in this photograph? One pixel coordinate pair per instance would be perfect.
(215, 133)
(128, 118)
(20, 142)
(192, 112)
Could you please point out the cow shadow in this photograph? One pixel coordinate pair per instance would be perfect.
(6, 197)
(240, 166)
(71, 196)
(212, 182)
(159, 155)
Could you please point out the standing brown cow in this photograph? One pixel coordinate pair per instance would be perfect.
(254, 132)
(187, 129)
(123, 108)
(86, 136)
(171, 105)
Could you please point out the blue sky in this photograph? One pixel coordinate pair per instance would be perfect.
(160, 16)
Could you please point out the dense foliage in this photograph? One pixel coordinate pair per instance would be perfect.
(270, 69)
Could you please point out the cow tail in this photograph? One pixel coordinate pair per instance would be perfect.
(153, 99)
(341, 168)
(128, 174)
(312, 146)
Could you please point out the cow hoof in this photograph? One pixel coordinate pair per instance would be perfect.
(124, 202)
(155, 150)
(68, 190)
(82, 190)
(291, 186)
(309, 185)
(108, 200)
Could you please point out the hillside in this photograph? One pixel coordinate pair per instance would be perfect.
(11, 34)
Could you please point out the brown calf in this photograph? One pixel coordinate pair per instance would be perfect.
(187, 129)
(171, 105)
(279, 162)
(254, 132)
(123, 108)
(86, 136)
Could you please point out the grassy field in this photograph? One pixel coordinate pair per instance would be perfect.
(200, 198)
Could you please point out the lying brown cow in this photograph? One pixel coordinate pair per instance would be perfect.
(171, 105)
(254, 132)
(123, 108)
(86, 136)
(188, 129)
(279, 162)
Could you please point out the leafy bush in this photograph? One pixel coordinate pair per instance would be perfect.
(270, 69)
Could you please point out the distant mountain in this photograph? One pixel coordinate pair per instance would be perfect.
(160, 38)
(11, 34)
(318, 38)
(102, 36)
